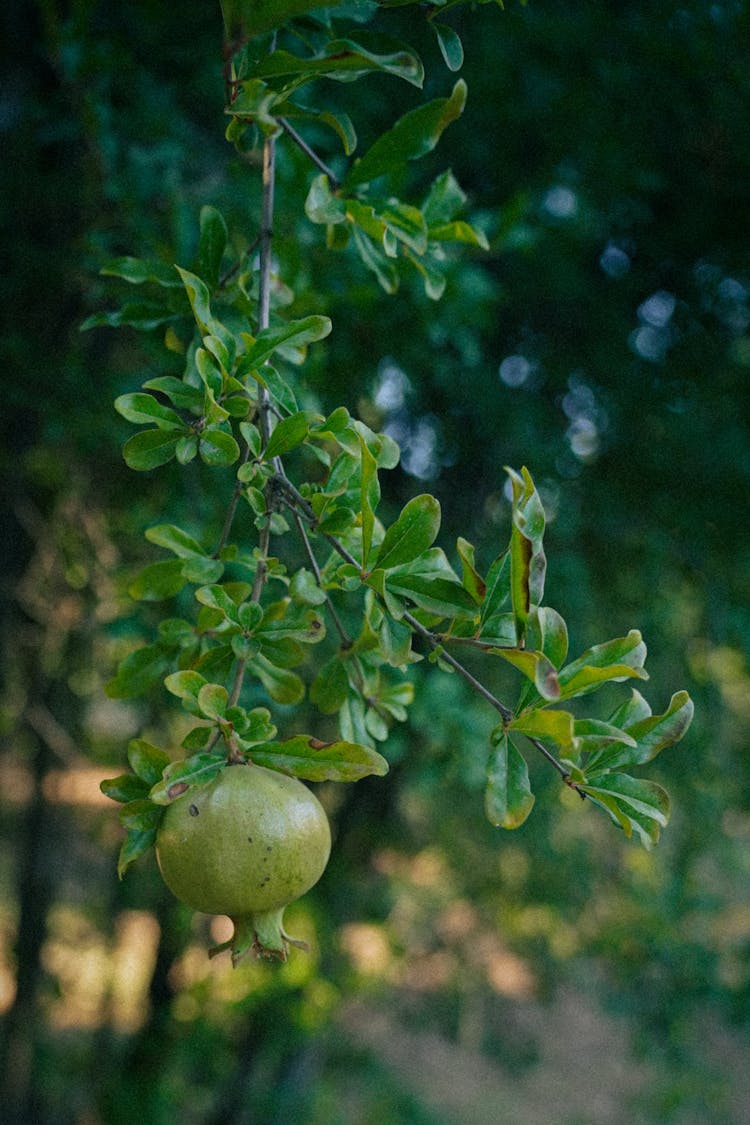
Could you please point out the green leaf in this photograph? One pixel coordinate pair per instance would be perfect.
(500, 631)
(185, 685)
(127, 787)
(414, 531)
(257, 725)
(245, 18)
(376, 725)
(213, 700)
(395, 642)
(179, 393)
(252, 437)
(546, 633)
(414, 135)
(217, 598)
(179, 776)
(186, 449)
(591, 734)
(280, 391)
(471, 580)
(160, 580)
(138, 271)
(175, 540)
(508, 799)
(144, 316)
(330, 687)
(138, 672)
(649, 734)
(631, 711)
(303, 587)
(343, 60)
(141, 408)
(450, 45)
(369, 498)
(150, 448)
(136, 842)
(616, 660)
(199, 298)
(443, 201)
(210, 373)
(217, 663)
(375, 260)
(321, 205)
(527, 561)
(212, 244)
(223, 347)
(341, 123)
(433, 278)
(430, 582)
(536, 667)
(249, 615)
(218, 447)
(289, 433)
(147, 761)
(198, 738)
(405, 223)
(201, 570)
(244, 648)
(141, 815)
(286, 618)
(281, 684)
(654, 734)
(176, 632)
(497, 597)
(633, 803)
(396, 698)
(308, 758)
(297, 333)
(459, 232)
(554, 726)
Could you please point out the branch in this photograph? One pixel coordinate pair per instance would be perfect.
(310, 153)
(505, 712)
(301, 507)
(263, 241)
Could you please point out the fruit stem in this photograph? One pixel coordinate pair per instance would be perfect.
(259, 935)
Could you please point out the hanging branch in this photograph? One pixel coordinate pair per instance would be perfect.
(389, 234)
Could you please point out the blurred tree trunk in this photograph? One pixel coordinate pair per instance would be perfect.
(19, 1076)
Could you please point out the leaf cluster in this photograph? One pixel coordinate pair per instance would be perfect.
(361, 208)
(256, 620)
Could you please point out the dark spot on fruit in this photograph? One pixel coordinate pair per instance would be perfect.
(193, 810)
(249, 839)
(269, 848)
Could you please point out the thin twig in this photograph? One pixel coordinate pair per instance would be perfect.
(266, 423)
(266, 234)
(346, 640)
(505, 712)
(310, 153)
(434, 642)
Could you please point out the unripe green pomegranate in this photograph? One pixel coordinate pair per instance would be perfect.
(246, 844)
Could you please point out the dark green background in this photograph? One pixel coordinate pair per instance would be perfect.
(605, 151)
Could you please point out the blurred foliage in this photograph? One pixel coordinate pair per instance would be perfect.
(604, 340)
